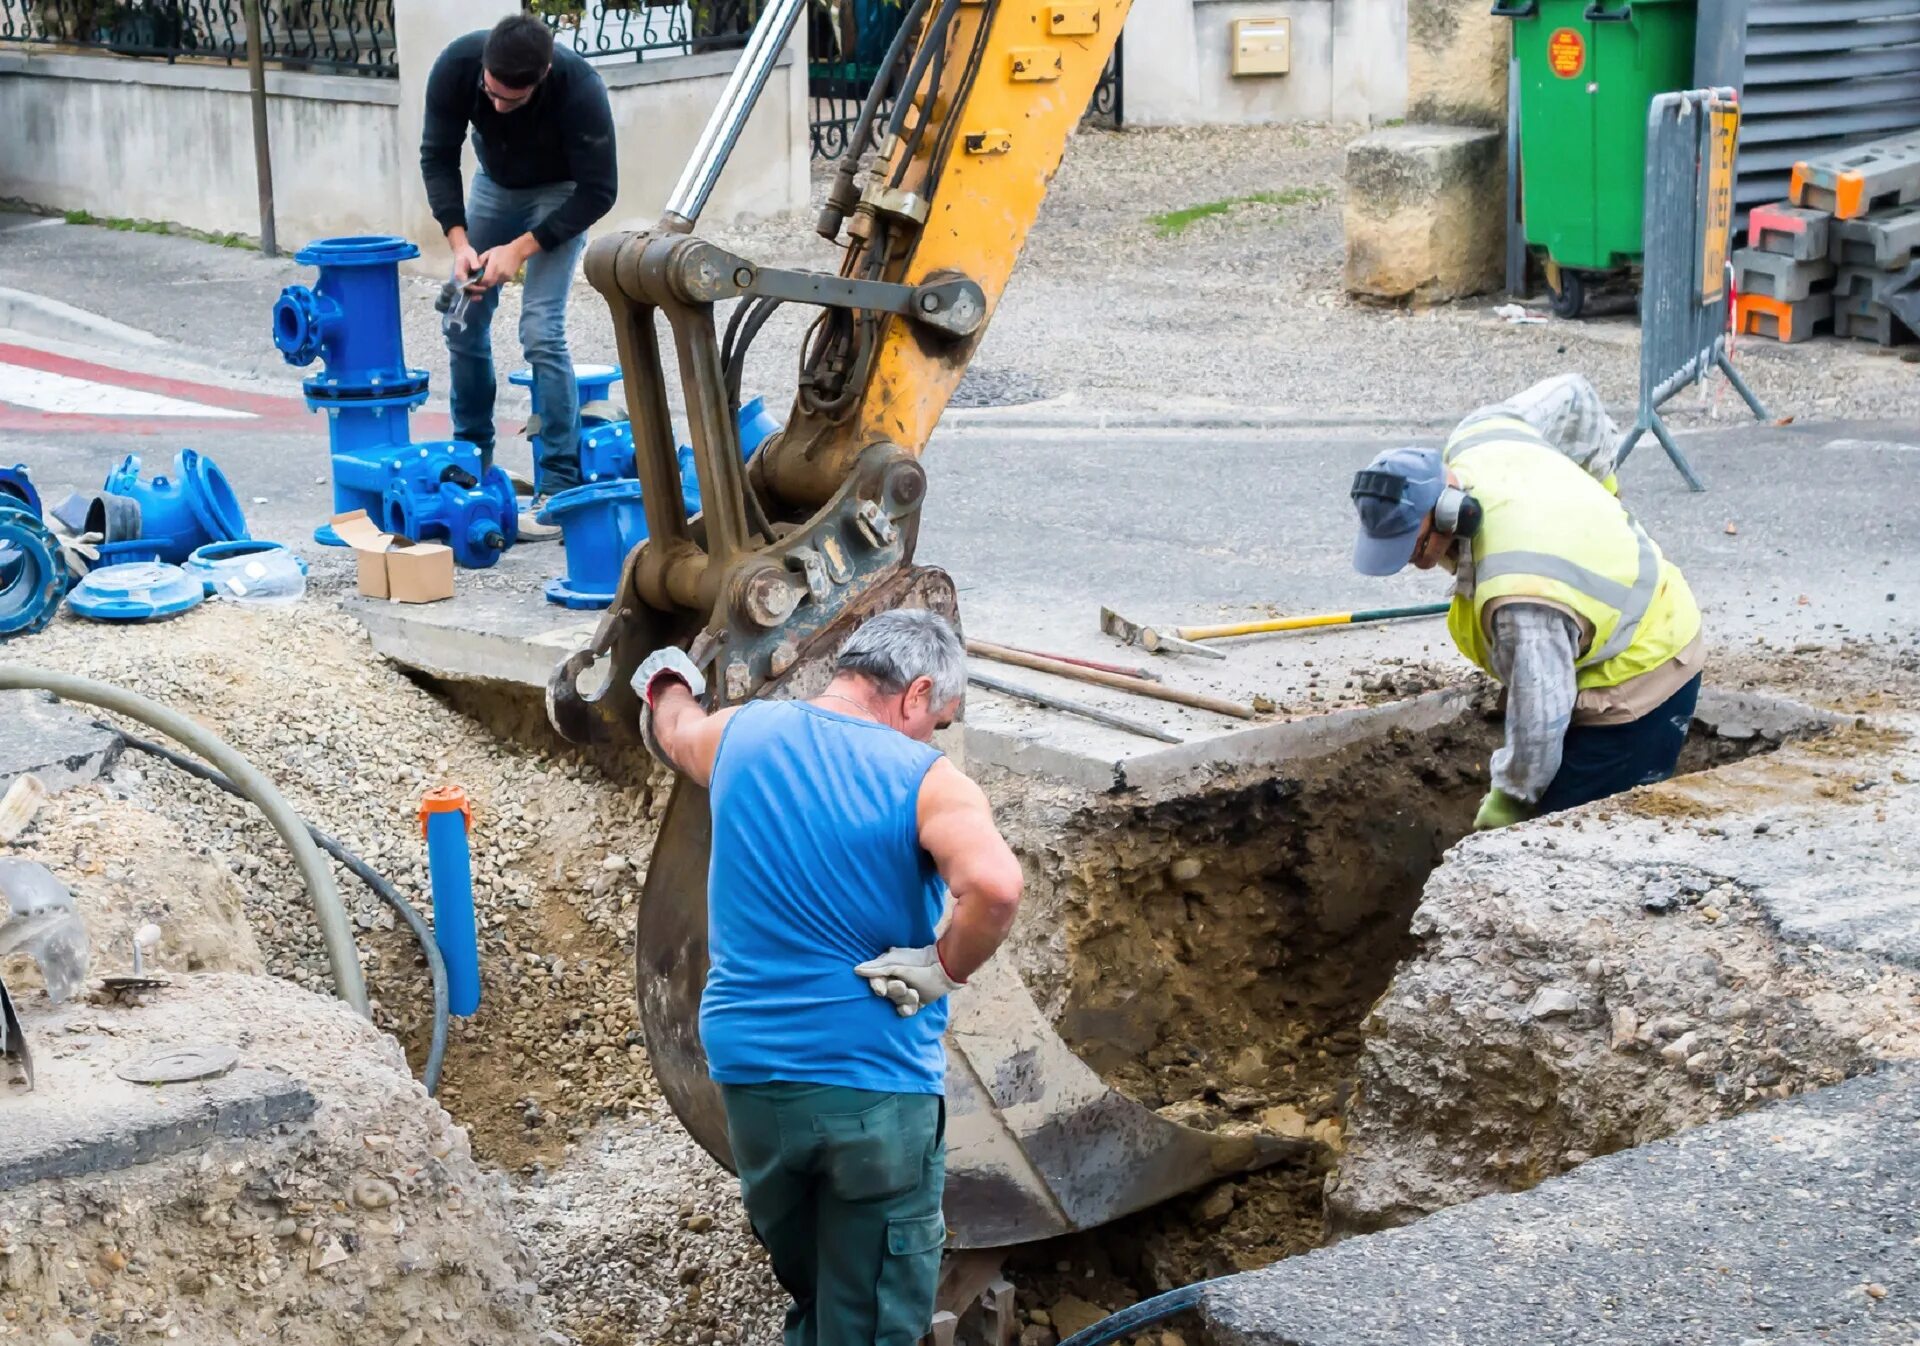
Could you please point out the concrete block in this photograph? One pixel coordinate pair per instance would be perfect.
(1424, 213)
(1797, 1214)
(1782, 320)
(1777, 276)
(1789, 230)
(126, 1124)
(1457, 63)
(1885, 240)
(60, 745)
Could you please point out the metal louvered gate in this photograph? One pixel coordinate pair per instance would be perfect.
(1813, 75)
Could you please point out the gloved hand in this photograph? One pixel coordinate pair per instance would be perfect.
(1500, 809)
(911, 978)
(657, 671)
(668, 665)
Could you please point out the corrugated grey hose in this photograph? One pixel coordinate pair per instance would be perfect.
(336, 932)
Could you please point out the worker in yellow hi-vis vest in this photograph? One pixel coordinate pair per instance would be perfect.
(1558, 593)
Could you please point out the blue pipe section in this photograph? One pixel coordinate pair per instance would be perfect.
(178, 514)
(33, 574)
(444, 818)
(437, 491)
(601, 521)
(1133, 1318)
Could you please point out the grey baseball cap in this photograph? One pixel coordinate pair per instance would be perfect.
(1392, 495)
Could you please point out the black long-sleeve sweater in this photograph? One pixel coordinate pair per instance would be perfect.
(563, 134)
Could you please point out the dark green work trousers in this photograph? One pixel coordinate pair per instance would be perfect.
(843, 1187)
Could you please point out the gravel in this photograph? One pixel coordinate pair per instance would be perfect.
(554, 1051)
(1238, 310)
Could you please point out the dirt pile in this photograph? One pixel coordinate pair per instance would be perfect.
(370, 1221)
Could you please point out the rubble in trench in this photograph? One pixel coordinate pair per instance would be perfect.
(1215, 955)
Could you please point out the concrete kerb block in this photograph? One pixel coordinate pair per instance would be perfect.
(1424, 213)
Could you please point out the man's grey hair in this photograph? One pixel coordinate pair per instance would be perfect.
(896, 647)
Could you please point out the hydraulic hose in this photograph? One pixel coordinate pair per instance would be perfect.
(367, 874)
(329, 913)
(1144, 1314)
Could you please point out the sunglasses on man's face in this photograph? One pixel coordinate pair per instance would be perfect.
(503, 99)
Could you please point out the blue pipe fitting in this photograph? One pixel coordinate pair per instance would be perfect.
(15, 482)
(438, 492)
(350, 319)
(444, 820)
(600, 523)
(197, 505)
(33, 574)
(136, 591)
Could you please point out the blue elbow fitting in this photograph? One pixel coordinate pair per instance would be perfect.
(15, 482)
(444, 820)
(176, 515)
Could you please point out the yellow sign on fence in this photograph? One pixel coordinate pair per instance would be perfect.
(1723, 135)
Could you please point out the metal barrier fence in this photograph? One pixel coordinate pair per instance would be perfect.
(644, 29)
(1685, 291)
(335, 36)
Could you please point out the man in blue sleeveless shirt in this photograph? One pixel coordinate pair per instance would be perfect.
(838, 835)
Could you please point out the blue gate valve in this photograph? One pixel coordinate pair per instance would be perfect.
(434, 491)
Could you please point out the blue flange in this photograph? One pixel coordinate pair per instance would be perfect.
(139, 591)
(599, 524)
(15, 482)
(33, 574)
(196, 507)
(206, 561)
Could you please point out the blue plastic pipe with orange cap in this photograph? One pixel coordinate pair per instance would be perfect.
(445, 819)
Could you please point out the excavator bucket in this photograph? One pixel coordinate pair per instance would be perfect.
(1038, 1145)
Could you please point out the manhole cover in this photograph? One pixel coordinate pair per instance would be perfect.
(177, 1065)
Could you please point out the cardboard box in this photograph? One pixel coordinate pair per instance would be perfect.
(396, 568)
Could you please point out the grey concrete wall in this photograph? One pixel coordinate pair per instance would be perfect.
(1349, 63)
(145, 140)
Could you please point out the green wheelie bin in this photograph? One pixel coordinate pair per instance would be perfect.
(1589, 70)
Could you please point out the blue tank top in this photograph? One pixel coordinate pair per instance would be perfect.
(817, 866)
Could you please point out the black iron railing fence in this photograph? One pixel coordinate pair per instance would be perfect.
(332, 36)
(648, 29)
(844, 49)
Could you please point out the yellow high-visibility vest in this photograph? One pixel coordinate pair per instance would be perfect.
(1548, 530)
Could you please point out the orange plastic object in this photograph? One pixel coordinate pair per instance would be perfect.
(1761, 315)
(1849, 196)
(445, 799)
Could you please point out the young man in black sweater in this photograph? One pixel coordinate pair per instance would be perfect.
(544, 136)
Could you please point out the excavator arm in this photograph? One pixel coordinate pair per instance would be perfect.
(943, 176)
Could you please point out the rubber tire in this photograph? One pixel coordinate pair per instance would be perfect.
(1571, 297)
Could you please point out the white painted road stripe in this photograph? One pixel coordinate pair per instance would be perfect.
(39, 390)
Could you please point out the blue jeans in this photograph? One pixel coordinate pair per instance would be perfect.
(1609, 759)
(497, 215)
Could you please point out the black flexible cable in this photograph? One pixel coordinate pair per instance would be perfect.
(863, 124)
(936, 38)
(1144, 1314)
(360, 869)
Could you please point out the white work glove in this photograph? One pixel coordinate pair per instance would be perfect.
(656, 671)
(911, 978)
(672, 664)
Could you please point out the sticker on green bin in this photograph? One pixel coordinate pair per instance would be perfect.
(1566, 53)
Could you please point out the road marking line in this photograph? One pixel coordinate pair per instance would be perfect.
(44, 390)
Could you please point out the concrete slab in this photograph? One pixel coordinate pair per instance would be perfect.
(62, 746)
(1794, 1223)
(46, 1136)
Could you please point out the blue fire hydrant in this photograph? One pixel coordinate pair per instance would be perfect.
(435, 491)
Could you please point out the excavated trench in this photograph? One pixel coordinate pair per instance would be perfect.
(1212, 954)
